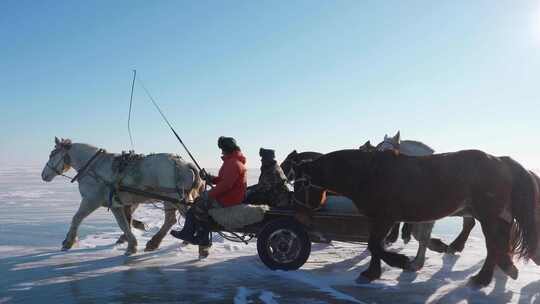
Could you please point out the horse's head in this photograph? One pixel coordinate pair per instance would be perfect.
(307, 191)
(288, 164)
(59, 160)
(367, 147)
(390, 143)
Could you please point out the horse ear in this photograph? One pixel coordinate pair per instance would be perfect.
(385, 136)
(56, 140)
(368, 143)
(397, 136)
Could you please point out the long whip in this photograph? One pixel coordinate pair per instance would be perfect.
(168, 123)
(130, 106)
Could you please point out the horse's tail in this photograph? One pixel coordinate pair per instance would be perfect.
(524, 197)
(536, 178)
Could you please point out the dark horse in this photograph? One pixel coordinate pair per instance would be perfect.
(389, 188)
(294, 158)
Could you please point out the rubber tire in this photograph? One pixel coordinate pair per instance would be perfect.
(271, 227)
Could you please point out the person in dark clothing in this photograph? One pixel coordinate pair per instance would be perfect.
(229, 190)
(272, 186)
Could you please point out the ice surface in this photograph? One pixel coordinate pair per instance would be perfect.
(35, 217)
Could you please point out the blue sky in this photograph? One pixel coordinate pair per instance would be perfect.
(306, 75)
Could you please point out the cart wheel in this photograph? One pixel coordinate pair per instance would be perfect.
(283, 244)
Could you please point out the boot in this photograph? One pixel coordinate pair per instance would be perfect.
(188, 231)
(202, 235)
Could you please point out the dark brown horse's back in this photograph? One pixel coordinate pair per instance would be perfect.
(444, 183)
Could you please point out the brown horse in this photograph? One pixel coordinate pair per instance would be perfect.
(389, 188)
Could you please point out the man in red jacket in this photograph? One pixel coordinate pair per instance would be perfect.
(230, 190)
(231, 182)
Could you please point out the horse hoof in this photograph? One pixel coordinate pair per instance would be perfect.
(451, 250)
(138, 225)
(122, 239)
(476, 282)
(512, 272)
(150, 248)
(130, 251)
(67, 245)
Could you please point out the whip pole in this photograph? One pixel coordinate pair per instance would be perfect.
(130, 105)
(169, 124)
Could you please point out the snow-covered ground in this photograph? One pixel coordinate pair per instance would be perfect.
(35, 217)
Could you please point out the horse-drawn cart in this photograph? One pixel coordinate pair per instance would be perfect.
(283, 242)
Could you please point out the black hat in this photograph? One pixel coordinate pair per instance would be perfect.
(267, 153)
(227, 143)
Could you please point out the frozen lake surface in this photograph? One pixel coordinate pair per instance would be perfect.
(35, 217)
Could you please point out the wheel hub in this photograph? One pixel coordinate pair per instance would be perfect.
(284, 246)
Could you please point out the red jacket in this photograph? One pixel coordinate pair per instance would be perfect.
(231, 183)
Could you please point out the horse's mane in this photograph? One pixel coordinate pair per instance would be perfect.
(85, 146)
(419, 143)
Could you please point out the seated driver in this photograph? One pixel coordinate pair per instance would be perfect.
(230, 190)
(272, 186)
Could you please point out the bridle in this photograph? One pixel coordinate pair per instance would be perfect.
(65, 159)
(291, 175)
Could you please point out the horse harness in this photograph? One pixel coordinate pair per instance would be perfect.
(66, 159)
(306, 183)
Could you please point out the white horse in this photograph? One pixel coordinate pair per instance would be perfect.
(164, 174)
(420, 231)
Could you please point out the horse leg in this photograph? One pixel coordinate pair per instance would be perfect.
(484, 277)
(85, 208)
(436, 244)
(170, 219)
(406, 232)
(393, 235)
(120, 217)
(422, 233)
(504, 259)
(379, 230)
(459, 243)
(135, 223)
(128, 210)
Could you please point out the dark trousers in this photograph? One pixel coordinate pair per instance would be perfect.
(195, 229)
